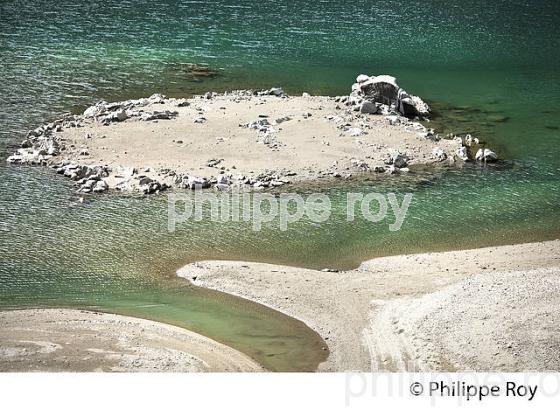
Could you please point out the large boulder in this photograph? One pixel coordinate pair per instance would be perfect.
(383, 89)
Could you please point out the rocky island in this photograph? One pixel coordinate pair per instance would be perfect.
(247, 139)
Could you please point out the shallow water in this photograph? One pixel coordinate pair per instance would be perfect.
(489, 69)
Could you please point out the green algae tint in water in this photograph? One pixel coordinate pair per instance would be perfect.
(488, 69)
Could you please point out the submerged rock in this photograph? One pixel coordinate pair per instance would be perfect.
(195, 72)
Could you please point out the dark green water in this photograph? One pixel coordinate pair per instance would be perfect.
(489, 69)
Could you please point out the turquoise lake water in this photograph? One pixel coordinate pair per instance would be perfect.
(488, 69)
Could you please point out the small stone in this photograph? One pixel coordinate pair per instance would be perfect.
(438, 154)
(277, 92)
(100, 186)
(462, 154)
(486, 155)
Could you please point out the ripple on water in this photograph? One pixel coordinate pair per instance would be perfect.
(114, 253)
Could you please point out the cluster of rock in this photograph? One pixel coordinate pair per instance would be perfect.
(88, 178)
(106, 113)
(224, 182)
(397, 162)
(382, 95)
(42, 144)
(266, 131)
(244, 94)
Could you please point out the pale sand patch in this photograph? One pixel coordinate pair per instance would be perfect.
(77, 340)
(358, 312)
(304, 145)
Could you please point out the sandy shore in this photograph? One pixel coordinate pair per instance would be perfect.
(493, 308)
(77, 340)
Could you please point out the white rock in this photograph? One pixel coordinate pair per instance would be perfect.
(15, 159)
(486, 155)
(391, 169)
(276, 91)
(100, 186)
(355, 132)
(438, 154)
(462, 154)
(362, 78)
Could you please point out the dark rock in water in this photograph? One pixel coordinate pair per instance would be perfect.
(497, 118)
(195, 72)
